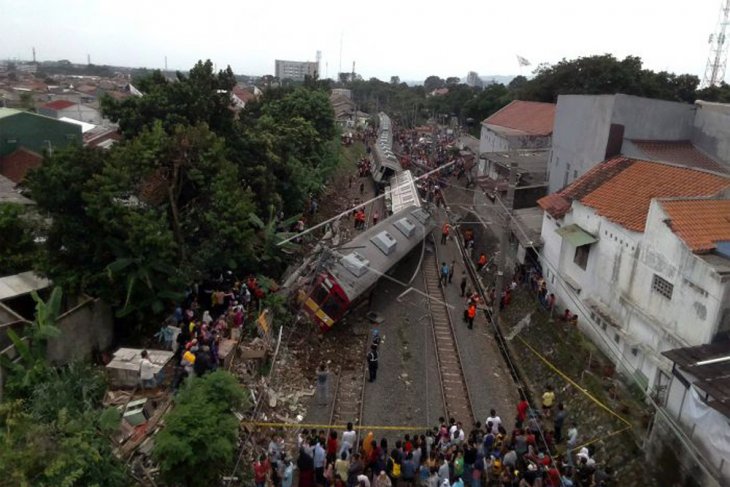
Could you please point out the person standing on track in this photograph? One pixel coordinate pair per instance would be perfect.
(444, 233)
(451, 270)
(462, 285)
(471, 314)
(373, 362)
(376, 217)
(445, 271)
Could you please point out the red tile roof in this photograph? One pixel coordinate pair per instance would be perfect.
(531, 117)
(699, 223)
(58, 105)
(678, 152)
(622, 188)
(243, 94)
(16, 165)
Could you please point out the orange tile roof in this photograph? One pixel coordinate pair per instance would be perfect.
(625, 198)
(58, 105)
(531, 117)
(16, 165)
(699, 223)
(558, 204)
(621, 189)
(678, 152)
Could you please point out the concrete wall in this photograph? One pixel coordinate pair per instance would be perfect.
(580, 134)
(491, 142)
(711, 133)
(648, 118)
(85, 328)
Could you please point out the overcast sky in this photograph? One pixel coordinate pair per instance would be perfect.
(411, 39)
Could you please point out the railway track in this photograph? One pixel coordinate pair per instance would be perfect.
(454, 389)
(349, 392)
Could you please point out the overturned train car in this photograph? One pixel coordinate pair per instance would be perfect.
(349, 276)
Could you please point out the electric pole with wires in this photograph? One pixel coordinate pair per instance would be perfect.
(506, 214)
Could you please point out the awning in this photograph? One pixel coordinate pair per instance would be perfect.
(576, 235)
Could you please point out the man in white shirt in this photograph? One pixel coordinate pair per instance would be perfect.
(348, 440)
(147, 371)
(363, 480)
(495, 420)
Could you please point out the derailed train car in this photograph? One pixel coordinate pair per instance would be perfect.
(385, 163)
(349, 276)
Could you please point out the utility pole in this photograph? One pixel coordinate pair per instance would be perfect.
(506, 213)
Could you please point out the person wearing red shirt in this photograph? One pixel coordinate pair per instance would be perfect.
(261, 470)
(332, 447)
(522, 408)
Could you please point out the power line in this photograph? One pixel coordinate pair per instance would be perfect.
(361, 205)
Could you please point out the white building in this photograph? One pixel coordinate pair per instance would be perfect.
(636, 249)
(67, 109)
(519, 125)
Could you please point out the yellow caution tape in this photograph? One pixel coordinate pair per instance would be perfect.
(333, 426)
(576, 385)
(597, 438)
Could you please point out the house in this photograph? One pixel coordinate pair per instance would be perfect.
(638, 250)
(592, 128)
(697, 402)
(24, 136)
(518, 125)
(240, 96)
(344, 109)
(64, 108)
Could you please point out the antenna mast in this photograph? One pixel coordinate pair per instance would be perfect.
(717, 59)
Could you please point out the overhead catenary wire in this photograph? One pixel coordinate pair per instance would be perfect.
(360, 205)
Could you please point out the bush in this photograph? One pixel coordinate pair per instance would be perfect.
(200, 436)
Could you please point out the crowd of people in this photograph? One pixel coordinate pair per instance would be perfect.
(445, 456)
(210, 313)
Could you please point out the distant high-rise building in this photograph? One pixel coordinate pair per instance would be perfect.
(473, 79)
(295, 70)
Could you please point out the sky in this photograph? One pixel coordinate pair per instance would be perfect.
(410, 39)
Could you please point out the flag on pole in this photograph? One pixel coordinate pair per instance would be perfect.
(522, 61)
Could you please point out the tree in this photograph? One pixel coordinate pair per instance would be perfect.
(394, 80)
(453, 81)
(58, 435)
(18, 251)
(200, 436)
(200, 97)
(606, 75)
(517, 83)
(433, 82)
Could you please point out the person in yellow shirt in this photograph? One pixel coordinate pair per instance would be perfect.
(548, 400)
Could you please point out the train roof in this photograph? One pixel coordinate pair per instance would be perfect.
(373, 252)
(402, 192)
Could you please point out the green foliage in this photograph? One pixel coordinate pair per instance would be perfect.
(56, 436)
(18, 251)
(720, 94)
(200, 97)
(433, 83)
(170, 204)
(31, 369)
(606, 75)
(200, 436)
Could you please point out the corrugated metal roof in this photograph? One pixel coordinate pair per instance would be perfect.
(8, 112)
(23, 283)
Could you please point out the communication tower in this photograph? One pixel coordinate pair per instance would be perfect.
(717, 60)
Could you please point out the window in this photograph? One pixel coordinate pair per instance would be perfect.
(616, 338)
(581, 256)
(634, 351)
(567, 173)
(662, 286)
(604, 326)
